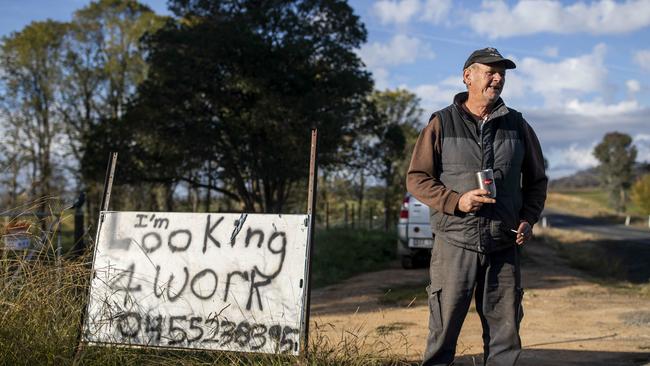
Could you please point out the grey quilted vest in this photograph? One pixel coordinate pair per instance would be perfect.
(499, 145)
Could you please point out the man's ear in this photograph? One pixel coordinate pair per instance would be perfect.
(467, 77)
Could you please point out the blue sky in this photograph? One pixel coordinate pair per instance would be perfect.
(583, 68)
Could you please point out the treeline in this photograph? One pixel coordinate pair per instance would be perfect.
(210, 109)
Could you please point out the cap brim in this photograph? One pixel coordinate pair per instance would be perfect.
(491, 60)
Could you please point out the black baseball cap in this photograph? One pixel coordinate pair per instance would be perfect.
(488, 55)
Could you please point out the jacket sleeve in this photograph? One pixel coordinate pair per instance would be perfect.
(534, 180)
(423, 176)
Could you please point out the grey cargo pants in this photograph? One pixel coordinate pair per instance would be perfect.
(495, 281)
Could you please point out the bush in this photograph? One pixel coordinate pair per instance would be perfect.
(342, 253)
(641, 194)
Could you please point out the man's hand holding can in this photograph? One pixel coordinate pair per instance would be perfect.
(473, 200)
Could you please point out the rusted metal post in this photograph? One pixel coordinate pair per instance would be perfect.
(108, 181)
(106, 197)
(311, 212)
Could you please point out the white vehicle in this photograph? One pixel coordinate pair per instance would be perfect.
(414, 236)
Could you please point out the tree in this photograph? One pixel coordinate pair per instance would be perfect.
(641, 194)
(31, 77)
(104, 64)
(237, 85)
(388, 146)
(616, 155)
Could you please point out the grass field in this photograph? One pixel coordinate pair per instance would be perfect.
(591, 202)
(342, 253)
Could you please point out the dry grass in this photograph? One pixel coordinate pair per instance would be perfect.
(42, 300)
(41, 306)
(577, 205)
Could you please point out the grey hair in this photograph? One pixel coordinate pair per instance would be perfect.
(470, 67)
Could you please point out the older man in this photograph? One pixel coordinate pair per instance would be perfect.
(478, 237)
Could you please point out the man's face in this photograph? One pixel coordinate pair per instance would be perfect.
(485, 82)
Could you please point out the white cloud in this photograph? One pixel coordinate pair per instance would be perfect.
(564, 161)
(398, 12)
(433, 96)
(380, 76)
(571, 77)
(598, 108)
(436, 11)
(498, 20)
(554, 84)
(400, 49)
(642, 58)
(436, 96)
(642, 143)
(579, 156)
(633, 86)
(515, 87)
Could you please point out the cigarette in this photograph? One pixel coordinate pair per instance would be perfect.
(514, 231)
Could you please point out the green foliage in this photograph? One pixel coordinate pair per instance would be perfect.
(390, 143)
(342, 253)
(104, 66)
(60, 80)
(641, 194)
(616, 155)
(30, 61)
(239, 88)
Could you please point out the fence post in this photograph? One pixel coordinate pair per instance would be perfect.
(79, 245)
(327, 215)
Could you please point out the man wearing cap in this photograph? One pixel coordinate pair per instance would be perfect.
(477, 237)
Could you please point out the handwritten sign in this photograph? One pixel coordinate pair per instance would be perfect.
(206, 281)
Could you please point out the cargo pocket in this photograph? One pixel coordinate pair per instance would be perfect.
(442, 223)
(435, 309)
(519, 307)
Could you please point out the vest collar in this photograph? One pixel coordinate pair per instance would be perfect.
(499, 110)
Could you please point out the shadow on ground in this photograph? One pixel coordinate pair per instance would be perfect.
(556, 357)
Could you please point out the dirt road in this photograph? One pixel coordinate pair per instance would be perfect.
(569, 319)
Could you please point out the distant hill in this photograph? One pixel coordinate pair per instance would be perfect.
(582, 179)
(589, 178)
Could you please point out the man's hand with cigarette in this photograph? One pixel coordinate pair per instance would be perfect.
(524, 233)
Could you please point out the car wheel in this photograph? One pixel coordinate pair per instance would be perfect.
(407, 262)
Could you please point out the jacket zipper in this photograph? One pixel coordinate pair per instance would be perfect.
(481, 125)
(478, 222)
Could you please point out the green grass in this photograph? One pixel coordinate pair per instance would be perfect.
(342, 253)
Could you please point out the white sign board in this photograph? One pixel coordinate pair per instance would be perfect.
(206, 281)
